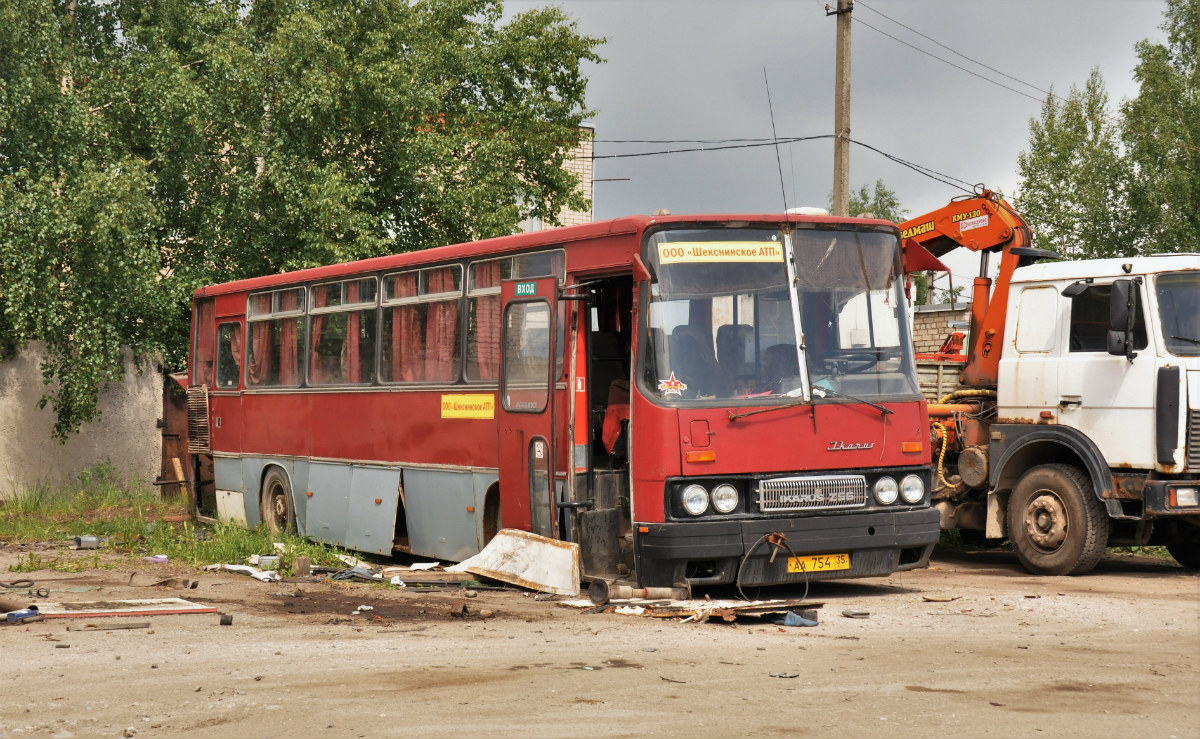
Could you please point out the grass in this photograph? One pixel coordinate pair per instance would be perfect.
(129, 519)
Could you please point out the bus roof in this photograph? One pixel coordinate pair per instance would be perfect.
(514, 243)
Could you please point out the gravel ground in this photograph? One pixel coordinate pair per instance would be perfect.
(972, 646)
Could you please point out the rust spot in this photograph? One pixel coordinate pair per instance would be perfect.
(1028, 421)
(1127, 487)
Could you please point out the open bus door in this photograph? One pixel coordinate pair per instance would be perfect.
(526, 412)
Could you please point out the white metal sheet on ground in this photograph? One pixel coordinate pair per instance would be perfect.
(527, 560)
(231, 506)
(141, 607)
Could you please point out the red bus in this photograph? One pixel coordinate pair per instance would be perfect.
(693, 399)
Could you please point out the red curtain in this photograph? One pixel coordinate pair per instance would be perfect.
(258, 371)
(235, 346)
(441, 328)
(288, 352)
(316, 373)
(406, 332)
(487, 322)
(350, 357)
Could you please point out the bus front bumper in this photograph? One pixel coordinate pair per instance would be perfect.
(877, 543)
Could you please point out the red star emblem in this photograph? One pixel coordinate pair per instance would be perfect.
(671, 386)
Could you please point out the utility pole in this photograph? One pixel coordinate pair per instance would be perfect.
(841, 110)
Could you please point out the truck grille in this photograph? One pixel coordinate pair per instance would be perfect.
(812, 493)
(1193, 441)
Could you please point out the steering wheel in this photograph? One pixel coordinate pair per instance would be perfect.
(855, 361)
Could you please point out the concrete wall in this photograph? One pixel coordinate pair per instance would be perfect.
(126, 432)
(931, 324)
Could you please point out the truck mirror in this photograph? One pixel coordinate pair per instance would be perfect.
(1116, 343)
(1122, 316)
(1119, 305)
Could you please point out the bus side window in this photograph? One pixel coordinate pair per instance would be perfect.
(229, 355)
(202, 353)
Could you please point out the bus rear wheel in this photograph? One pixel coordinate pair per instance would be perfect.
(276, 504)
(1056, 523)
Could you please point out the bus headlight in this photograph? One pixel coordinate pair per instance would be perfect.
(724, 498)
(694, 499)
(886, 490)
(912, 489)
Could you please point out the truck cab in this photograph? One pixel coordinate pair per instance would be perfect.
(1099, 380)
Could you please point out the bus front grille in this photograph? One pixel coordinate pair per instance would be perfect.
(812, 493)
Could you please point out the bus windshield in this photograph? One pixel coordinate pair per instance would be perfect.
(722, 318)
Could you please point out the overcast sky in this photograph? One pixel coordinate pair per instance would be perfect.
(693, 69)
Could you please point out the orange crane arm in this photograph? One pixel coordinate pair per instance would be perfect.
(982, 223)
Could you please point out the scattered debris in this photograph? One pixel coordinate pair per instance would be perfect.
(396, 581)
(601, 591)
(156, 559)
(89, 542)
(527, 560)
(669, 680)
(112, 627)
(143, 607)
(170, 582)
(698, 611)
(24, 616)
(257, 574)
(855, 613)
(458, 609)
(227, 619)
(302, 566)
(805, 617)
(787, 675)
(939, 598)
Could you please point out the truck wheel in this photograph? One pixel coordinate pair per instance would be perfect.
(1056, 523)
(1186, 548)
(277, 510)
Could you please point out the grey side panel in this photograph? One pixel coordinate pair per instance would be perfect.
(228, 473)
(370, 525)
(439, 524)
(298, 470)
(328, 507)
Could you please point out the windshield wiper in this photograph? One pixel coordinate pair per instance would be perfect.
(820, 390)
(735, 416)
(1187, 338)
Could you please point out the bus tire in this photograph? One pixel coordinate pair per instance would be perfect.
(1056, 523)
(1186, 547)
(276, 506)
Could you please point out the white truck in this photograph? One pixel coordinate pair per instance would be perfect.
(1076, 424)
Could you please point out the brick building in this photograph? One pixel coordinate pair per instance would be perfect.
(579, 163)
(933, 323)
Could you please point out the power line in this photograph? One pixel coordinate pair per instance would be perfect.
(756, 143)
(929, 172)
(958, 53)
(947, 61)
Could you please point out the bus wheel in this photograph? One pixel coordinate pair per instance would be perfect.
(277, 510)
(1186, 547)
(1056, 523)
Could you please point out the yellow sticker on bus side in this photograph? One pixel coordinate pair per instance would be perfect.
(468, 406)
(708, 252)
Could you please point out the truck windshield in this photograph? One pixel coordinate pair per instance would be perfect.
(722, 317)
(1178, 296)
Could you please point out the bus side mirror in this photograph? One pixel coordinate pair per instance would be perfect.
(1122, 316)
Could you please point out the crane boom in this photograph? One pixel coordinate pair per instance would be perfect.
(983, 223)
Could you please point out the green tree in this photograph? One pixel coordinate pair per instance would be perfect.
(879, 201)
(1161, 131)
(1074, 177)
(148, 147)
